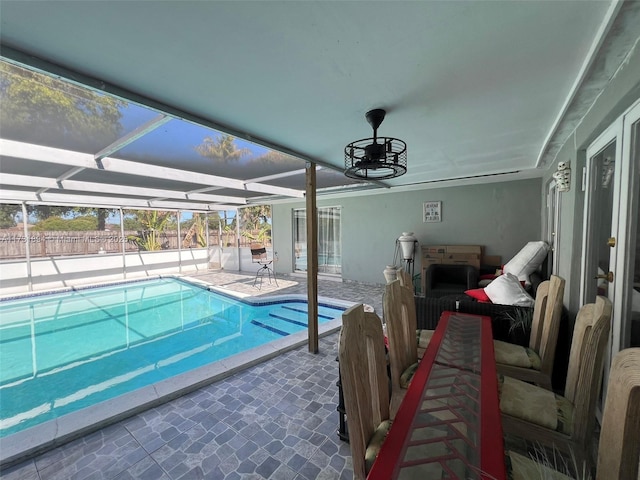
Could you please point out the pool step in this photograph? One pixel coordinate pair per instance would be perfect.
(269, 327)
(278, 323)
(285, 317)
(305, 311)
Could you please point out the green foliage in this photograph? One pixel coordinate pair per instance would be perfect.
(8, 215)
(520, 319)
(37, 104)
(58, 224)
(132, 223)
(228, 231)
(153, 223)
(222, 148)
(214, 220)
(42, 212)
(262, 235)
(101, 215)
(194, 228)
(254, 222)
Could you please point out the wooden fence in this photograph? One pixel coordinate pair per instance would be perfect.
(50, 243)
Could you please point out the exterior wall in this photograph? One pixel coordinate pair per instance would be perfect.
(59, 272)
(500, 216)
(623, 89)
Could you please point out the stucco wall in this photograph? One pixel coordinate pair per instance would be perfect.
(500, 216)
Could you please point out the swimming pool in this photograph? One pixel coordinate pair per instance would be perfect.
(68, 352)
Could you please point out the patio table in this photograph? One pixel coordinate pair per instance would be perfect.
(448, 425)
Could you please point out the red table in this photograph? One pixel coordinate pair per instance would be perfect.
(448, 425)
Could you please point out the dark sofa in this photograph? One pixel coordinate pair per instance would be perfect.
(442, 280)
(430, 308)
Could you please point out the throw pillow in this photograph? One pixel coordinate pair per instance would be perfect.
(507, 290)
(527, 260)
(479, 294)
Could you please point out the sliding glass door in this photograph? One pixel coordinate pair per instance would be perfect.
(329, 241)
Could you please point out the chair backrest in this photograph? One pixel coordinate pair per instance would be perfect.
(463, 277)
(363, 375)
(619, 450)
(586, 360)
(539, 309)
(258, 253)
(399, 310)
(550, 324)
(405, 278)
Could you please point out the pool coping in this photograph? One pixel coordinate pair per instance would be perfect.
(21, 446)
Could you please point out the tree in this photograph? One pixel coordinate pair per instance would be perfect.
(8, 214)
(84, 223)
(101, 214)
(254, 223)
(195, 229)
(222, 148)
(59, 113)
(153, 223)
(42, 212)
(252, 217)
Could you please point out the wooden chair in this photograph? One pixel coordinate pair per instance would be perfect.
(400, 318)
(535, 363)
(405, 278)
(565, 422)
(618, 452)
(423, 335)
(365, 385)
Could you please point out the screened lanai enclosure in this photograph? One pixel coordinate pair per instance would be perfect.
(98, 187)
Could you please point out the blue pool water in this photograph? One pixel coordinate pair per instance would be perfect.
(60, 353)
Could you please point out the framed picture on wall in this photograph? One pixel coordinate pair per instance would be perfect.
(432, 212)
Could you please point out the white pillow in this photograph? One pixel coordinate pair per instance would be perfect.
(527, 260)
(507, 290)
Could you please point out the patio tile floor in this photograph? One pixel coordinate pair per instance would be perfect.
(275, 420)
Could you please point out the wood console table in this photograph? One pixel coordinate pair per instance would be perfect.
(448, 425)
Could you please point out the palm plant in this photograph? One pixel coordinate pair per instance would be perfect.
(197, 230)
(154, 223)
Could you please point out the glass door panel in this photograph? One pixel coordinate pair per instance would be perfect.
(329, 241)
(602, 169)
(300, 240)
(329, 245)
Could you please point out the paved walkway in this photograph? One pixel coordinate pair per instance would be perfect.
(276, 420)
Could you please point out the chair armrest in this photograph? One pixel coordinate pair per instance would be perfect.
(472, 277)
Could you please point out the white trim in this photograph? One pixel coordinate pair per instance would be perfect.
(599, 37)
(152, 193)
(627, 225)
(28, 151)
(15, 196)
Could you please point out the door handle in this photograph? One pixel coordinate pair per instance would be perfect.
(606, 276)
(611, 242)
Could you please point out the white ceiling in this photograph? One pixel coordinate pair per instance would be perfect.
(473, 87)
